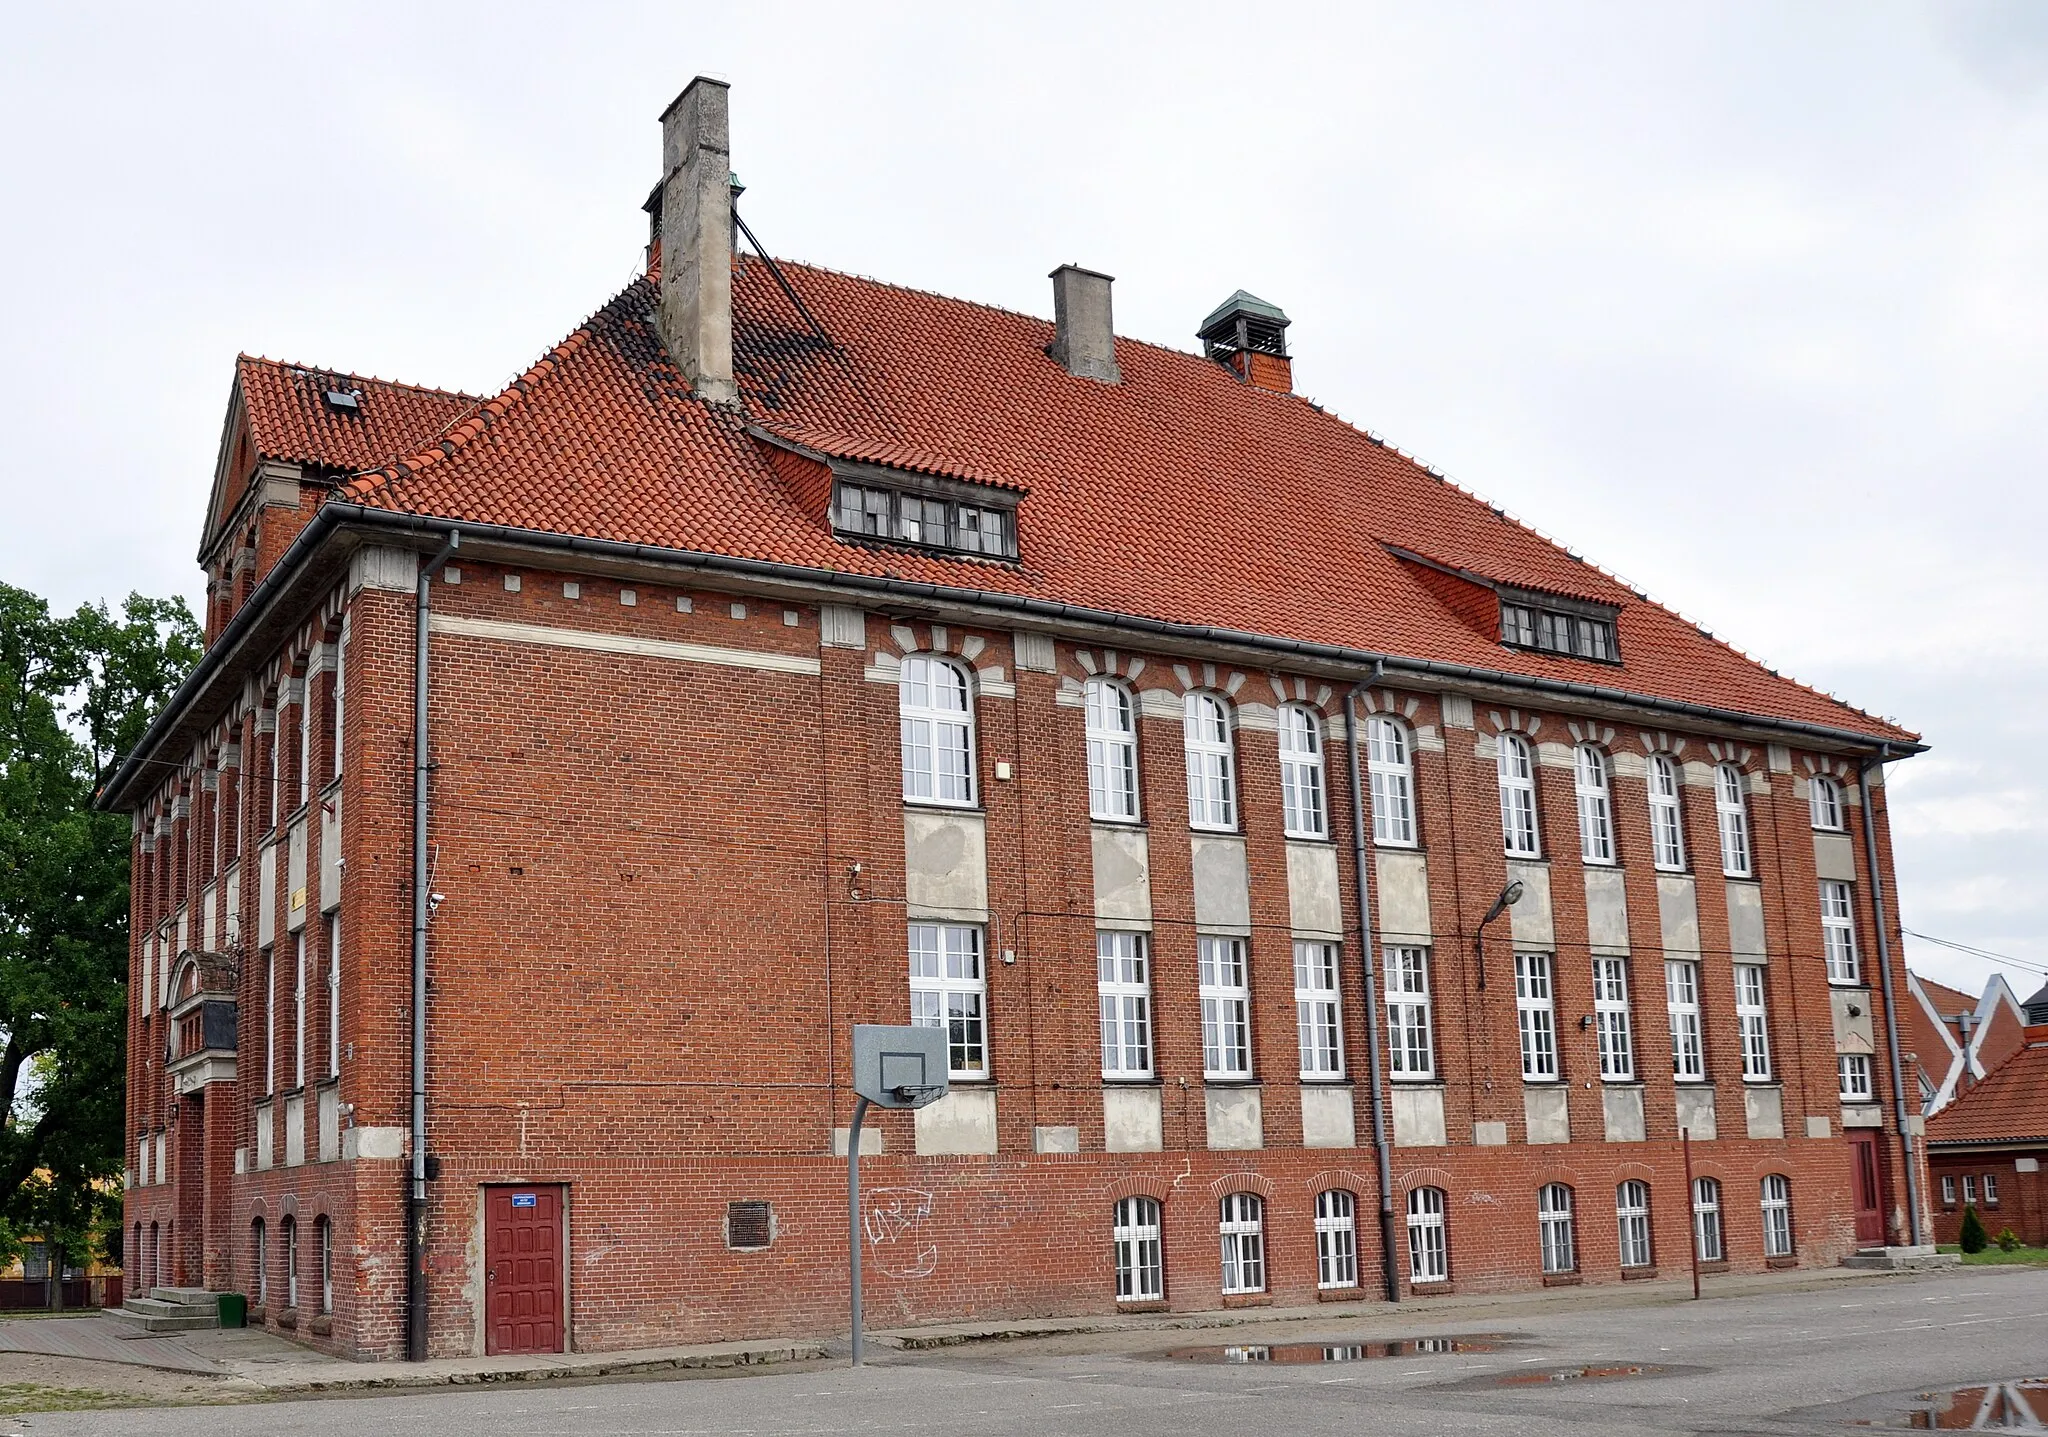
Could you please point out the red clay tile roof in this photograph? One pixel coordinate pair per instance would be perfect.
(2011, 1103)
(1948, 1001)
(1179, 495)
(290, 418)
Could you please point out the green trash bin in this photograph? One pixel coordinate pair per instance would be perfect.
(234, 1310)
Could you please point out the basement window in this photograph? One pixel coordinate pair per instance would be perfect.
(1553, 625)
(749, 1226)
(932, 520)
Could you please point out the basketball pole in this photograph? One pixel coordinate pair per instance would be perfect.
(860, 1111)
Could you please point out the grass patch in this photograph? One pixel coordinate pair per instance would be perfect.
(1993, 1256)
(36, 1397)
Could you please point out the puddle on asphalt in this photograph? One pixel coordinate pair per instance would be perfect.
(2020, 1405)
(1598, 1372)
(1300, 1352)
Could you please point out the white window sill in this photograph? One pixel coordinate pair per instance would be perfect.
(1230, 829)
(948, 804)
(1408, 845)
(1301, 837)
(1120, 820)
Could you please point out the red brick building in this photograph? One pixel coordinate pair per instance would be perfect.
(1985, 1150)
(813, 651)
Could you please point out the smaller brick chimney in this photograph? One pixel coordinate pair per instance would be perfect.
(1248, 337)
(695, 225)
(1084, 340)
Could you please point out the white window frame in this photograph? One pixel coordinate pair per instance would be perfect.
(1824, 804)
(1225, 977)
(1838, 932)
(1123, 986)
(1632, 1221)
(299, 1009)
(1318, 1008)
(1948, 1190)
(1110, 717)
(270, 1020)
(1594, 788)
(1611, 1020)
(289, 1228)
(1241, 1229)
(1991, 1189)
(1664, 781)
(1852, 1078)
(1707, 1236)
(334, 994)
(1390, 760)
(325, 1226)
(305, 708)
(1429, 1248)
(1304, 800)
(1536, 1017)
(1554, 1229)
(277, 759)
(1731, 813)
(1208, 733)
(1775, 1198)
(1516, 769)
(1411, 1049)
(259, 1255)
(1682, 1006)
(937, 738)
(1753, 1019)
(338, 706)
(1969, 1189)
(1135, 1240)
(1336, 1240)
(949, 990)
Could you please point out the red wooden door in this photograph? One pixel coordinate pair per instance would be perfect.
(523, 1269)
(1868, 1190)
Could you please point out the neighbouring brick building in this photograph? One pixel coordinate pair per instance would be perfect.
(1958, 1040)
(1985, 1150)
(817, 651)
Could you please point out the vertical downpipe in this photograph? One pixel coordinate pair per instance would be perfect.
(1389, 1268)
(416, 1187)
(1891, 1013)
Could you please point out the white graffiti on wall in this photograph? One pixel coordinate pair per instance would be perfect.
(895, 1221)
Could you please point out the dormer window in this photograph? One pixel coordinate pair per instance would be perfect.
(936, 518)
(1552, 624)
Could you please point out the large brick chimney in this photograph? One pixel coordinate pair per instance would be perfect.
(695, 315)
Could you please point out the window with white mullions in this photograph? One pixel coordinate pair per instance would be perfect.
(1596, 808)
(1316, 1009)
(1391, 766)
(1123, 984)
(1731, 810)
(1554, 1226)
(1535, 1017)
(1682, 1005)
(334, 994)
(1667, 830)
(1611, 1020)
(1336, 1239)
(1706, 1219)
(1777, 1211)
(1517, 796)
(1241, 1224)
(1302, 806)
(1750, 1016)
(1226, 1008)
(1112, 727)
(1409, 1049)
(1212, 763)
(1140, 1274)
(1838, 932)
(1428, 1248)
(948, 989)
(936, 707)
(1824, 798)
(1632, 1214)
(1852, 1071)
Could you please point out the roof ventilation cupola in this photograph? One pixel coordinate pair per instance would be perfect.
(1248, 336)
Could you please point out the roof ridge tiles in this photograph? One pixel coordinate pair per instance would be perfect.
(244, 357)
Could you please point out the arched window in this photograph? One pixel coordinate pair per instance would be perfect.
(1212, 763)
(1667, 836)
(1136, 1244)
(1393, 781)
(1732, 811)
(1777, 1203)
(1596, 812)
(289, 1231)
(1336, 1239)
(259, 1259)
(323, 1228)
(1301, 772)
(1632, 1212)
(1517, 797)
(1554, 1224)
(1429, 1258)
(1824, 796)
(937, 711)
(153, 1270)
(1112, 724)
(1706, 1219)
(1241, 1223)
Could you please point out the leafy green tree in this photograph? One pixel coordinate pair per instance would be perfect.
(75, 696)
(1972, 1238)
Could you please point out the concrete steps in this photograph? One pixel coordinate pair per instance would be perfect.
(169, 1309)
(1900, 1259)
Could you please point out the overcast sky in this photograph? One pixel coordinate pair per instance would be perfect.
(1748, 304)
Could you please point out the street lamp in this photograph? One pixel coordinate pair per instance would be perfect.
(1509, 897)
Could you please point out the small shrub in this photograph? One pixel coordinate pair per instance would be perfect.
(1972, 1238)
(2008, 1241)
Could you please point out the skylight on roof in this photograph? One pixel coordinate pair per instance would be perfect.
(344, 399)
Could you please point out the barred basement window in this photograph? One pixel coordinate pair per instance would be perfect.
(1135, 1239)
(1706, 1220)
(1241, 1225)
(1554, 1226)
(1777, 1208)
(1632, 1214)
(1552, 625)
(1336, 1239)
(930, 521)
(1428, 1251)
(749, 1226)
